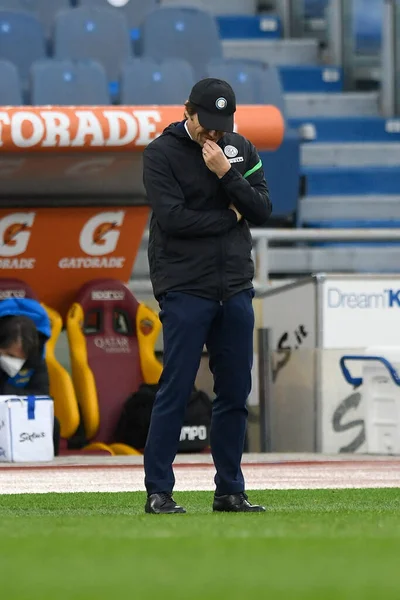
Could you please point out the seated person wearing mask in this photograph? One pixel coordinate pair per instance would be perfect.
(24, 331)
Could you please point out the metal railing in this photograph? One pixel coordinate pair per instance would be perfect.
(342, 50)
(263, 237)
(383, 63)
(340, 39)
(390, 100)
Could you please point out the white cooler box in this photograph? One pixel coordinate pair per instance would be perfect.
(381, 394)
(380, 397)
(26, 429)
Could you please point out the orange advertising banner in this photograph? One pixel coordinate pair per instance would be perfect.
(117, 128)
(57, 251)
(72, 202)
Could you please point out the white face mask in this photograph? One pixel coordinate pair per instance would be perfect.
(11, 365)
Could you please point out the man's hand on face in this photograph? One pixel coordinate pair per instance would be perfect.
(215, 159)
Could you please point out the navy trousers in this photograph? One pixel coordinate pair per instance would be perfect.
(189, 323)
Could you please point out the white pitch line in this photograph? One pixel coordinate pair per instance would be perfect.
(277, 477)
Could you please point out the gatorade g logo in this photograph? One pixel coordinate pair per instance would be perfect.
(99, 237)
(15, 231)
(101, 233)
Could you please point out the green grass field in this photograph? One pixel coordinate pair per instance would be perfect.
(309, 545)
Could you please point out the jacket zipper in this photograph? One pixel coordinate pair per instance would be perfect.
(221, 270)
(221, 264)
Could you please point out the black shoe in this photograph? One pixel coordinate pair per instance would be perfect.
(235, 503)
(162, 504)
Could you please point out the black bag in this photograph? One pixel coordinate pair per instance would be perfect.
(195, 433)
(133, 425)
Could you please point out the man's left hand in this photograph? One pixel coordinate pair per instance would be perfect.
(215, 159)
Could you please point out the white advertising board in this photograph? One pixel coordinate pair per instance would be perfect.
(358, 312)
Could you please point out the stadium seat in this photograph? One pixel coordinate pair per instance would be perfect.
(134, 10)
(254, 82)
(98, 34)
(144, 81)
(187, 33)
(66, 83)
(22, 41)
(111, 339)
(10, 84)
(61, 387)
(245, 78)
(45, 10)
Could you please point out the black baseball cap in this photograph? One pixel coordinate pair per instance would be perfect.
(215, 102)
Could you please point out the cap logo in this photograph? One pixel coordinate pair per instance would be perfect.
(221, 103)
(231, 151)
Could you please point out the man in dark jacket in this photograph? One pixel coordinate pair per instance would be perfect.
(24, 331)
(204, 184)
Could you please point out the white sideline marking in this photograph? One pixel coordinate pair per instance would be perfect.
(351, 474)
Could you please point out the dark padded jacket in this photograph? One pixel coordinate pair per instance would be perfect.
(196, 244)
(34, 377)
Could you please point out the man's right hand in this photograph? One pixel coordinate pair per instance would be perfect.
(237, 213)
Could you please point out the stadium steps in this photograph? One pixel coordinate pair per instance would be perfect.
(315, 209)
(218, 7)
(351, 154)
(347, 129)
(346, 104)
(334, 181)
(277, 52)
(311, 78)
(334, 258)
(236, 27)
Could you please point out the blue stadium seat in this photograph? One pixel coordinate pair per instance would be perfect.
(254, 82)
(144, 81)
(187, 33)
(236, 27)
(244, 77)
(22, 41)
(45, 10)
(67, 83)
(99, 34)
(10, 85)
(134, 10)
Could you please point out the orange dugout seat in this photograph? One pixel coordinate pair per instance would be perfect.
(112, 340)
